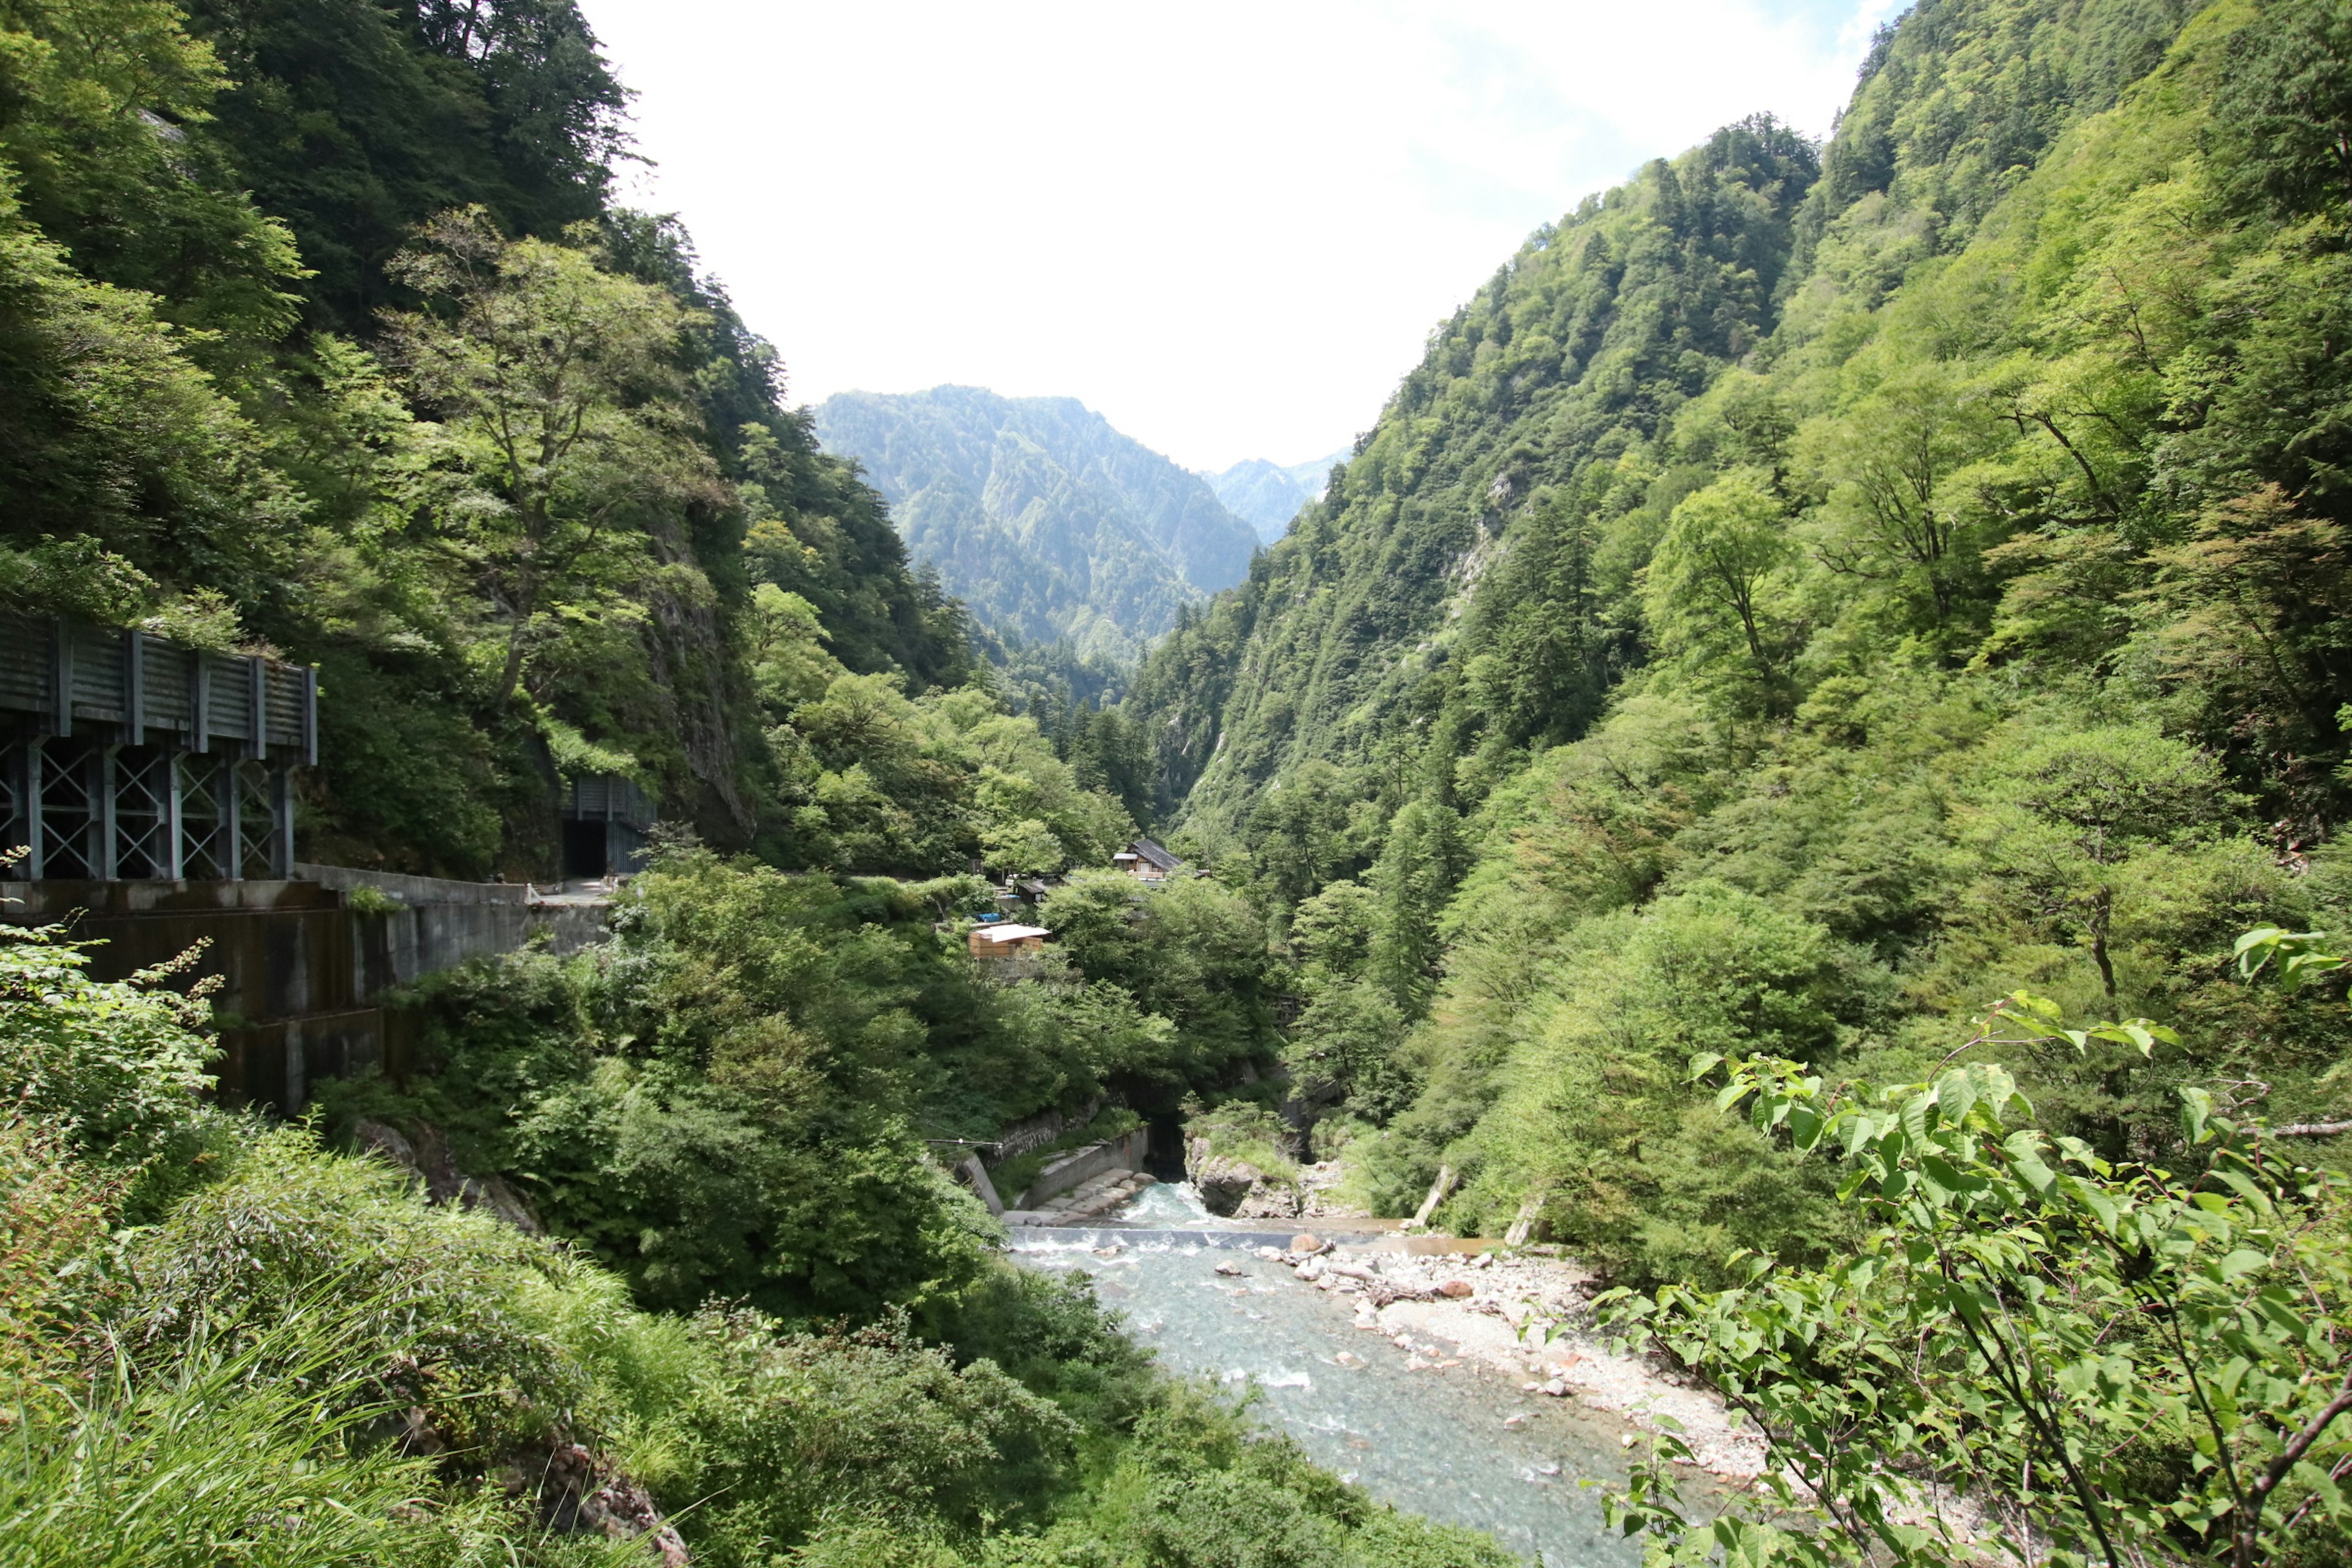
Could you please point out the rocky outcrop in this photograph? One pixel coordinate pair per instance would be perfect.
(428, 1158)
(1236, 1189)
(580, 1493)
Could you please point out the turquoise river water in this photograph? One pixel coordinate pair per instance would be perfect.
(1432, 1442)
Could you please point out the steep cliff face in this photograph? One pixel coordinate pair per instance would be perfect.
(1038, 514)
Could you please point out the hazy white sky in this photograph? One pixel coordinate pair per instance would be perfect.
(1227, 227)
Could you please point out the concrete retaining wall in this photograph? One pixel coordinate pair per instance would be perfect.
(299, 973)
(1079, 1166)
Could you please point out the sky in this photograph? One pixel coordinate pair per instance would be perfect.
(1228, 228)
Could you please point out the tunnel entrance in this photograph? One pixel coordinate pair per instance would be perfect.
(1163, 1148)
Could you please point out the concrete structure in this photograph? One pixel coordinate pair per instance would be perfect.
(302, 974)
(125, 756)
(974, 1174)
(1006, 940)
(150, 788)
(605, 821)
(1079, 1166)
(1085, 1184)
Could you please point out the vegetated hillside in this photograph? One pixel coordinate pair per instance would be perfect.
(262, 262)
(646, 1258)
(1266, 495)
(1596, 331)
(1789, 610)
(1049, 523)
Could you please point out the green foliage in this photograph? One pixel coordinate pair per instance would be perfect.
(1191, 952)
(1589, 1116)
(2115, 1362)
(255, 1455)
(922, 786)
(114, 1066)
(1900, 586)
(351, 122)
(1527, 422)
(303, 1360)
(802, 1434)
(183, 444)
(1712, 582)
(1241, 1130)
(553, 384)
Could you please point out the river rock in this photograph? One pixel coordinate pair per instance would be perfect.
(375, 1138)
(1457, 1288)
(1229, 1269)
(1222, 1182)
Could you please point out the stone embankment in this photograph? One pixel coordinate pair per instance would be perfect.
(1092, 1199)
(1525, 1316)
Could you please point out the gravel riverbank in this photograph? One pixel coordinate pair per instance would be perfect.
(1524, 1315)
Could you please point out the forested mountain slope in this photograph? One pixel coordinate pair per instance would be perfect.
(1569, 356)
(1266, 495)
(1798, 602)
(1049, 523)
(240, 400)
(319, 335)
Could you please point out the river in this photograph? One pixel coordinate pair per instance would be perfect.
(1432, 1442)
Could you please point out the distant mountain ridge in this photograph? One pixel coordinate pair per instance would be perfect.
(1038, 514)
(1266, 495)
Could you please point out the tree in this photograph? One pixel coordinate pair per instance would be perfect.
(1887, 459)
(2077, 827)
(1707, 590)
(1415, 875)
(562, 408)
(2284, 108)
(2116, 1364)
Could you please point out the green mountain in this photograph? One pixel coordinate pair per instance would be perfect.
(1049, 523)
(1804, 596)
(1267, 496)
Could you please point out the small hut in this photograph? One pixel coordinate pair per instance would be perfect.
(1003, 939)
(1146, 860)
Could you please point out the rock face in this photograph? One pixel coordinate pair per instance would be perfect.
(581, 1493)
(1236, 1189)
(429, 1161)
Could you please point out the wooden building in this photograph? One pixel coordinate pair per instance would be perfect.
(1146, 860)
(1002, 939)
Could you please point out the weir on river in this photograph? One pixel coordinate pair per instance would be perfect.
(1430, 1441)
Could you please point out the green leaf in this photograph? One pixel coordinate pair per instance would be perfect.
(1944, 1174)
(2196, 1108)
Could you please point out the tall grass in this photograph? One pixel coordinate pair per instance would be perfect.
(240, 1452)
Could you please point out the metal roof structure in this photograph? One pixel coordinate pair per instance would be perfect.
(124, 755)
(1154, 855)
(1009, 932)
